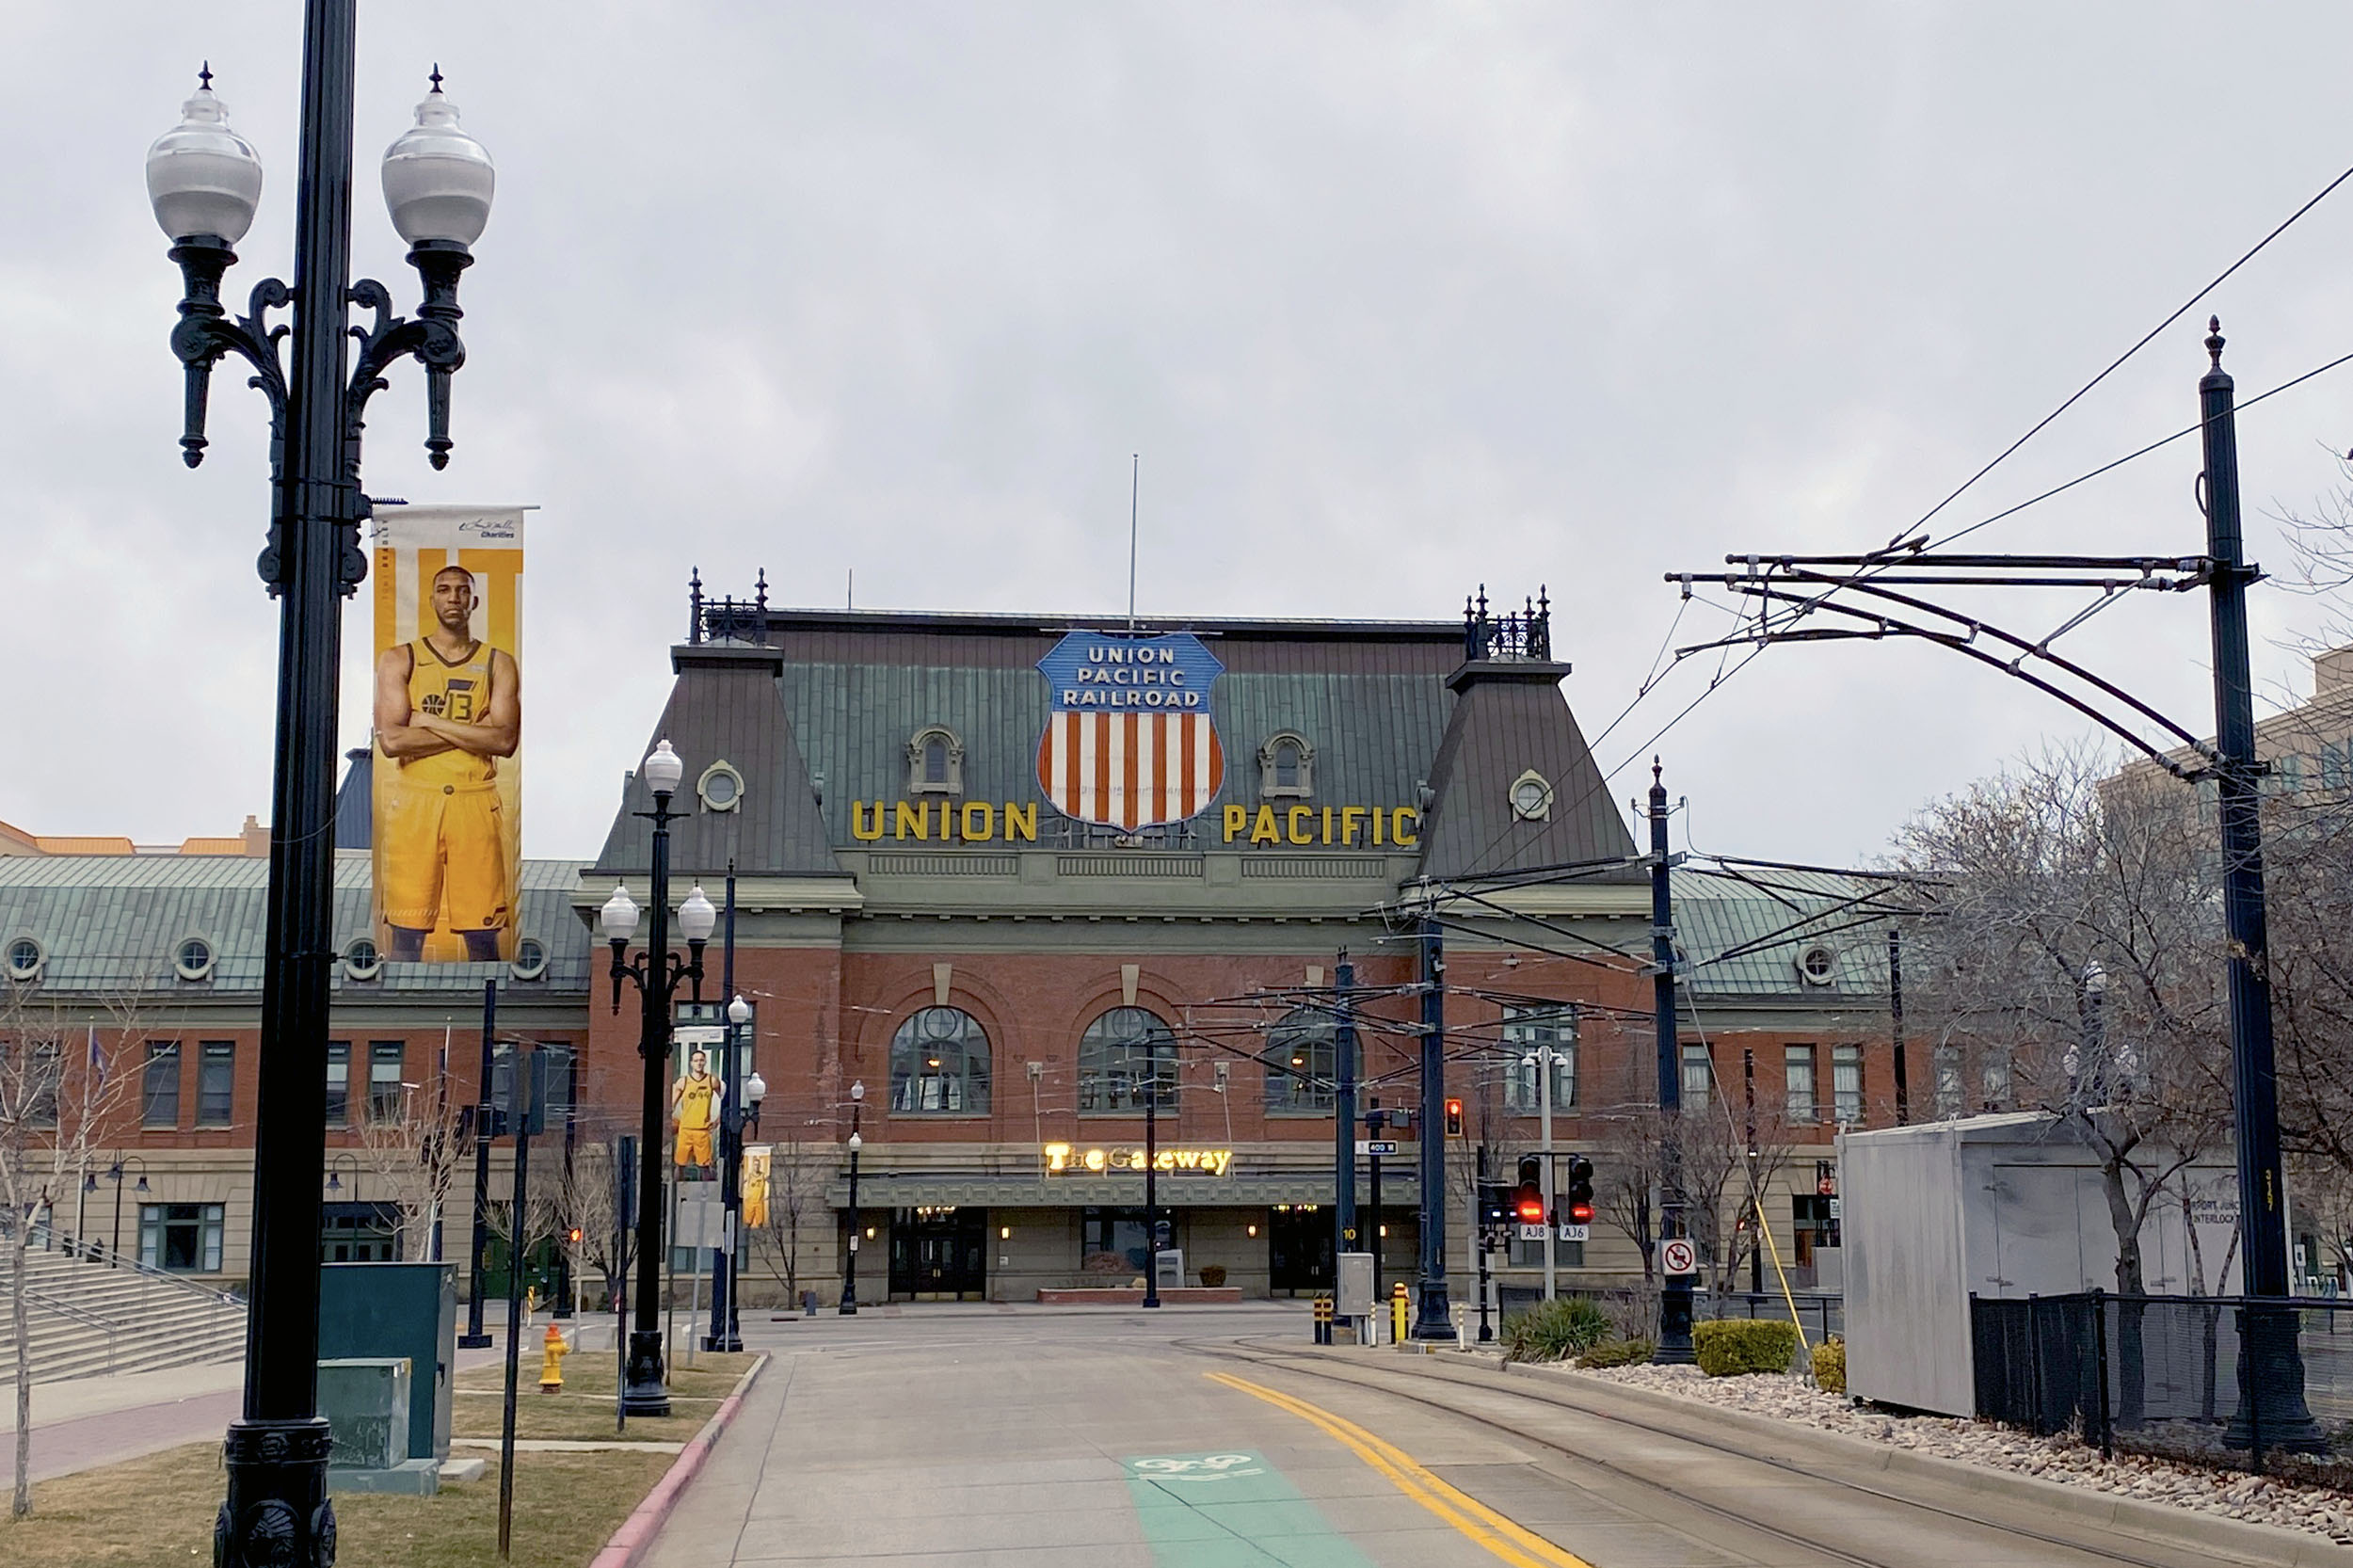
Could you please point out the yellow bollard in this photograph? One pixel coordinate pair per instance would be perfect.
(1398, 1310)
(551, 1362)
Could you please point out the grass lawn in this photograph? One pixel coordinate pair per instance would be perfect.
(158, 1511)
(585, 1407)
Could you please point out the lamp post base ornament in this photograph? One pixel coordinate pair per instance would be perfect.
(645, 1395)
(278, 1513)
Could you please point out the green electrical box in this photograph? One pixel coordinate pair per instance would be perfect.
(397, 1311)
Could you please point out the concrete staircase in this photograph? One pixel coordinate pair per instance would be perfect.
(88, 1319)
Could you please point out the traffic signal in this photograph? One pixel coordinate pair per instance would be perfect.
(1580, 1193)
(1494, 1203)
(1527, 1200)
(573, 1236)
(1454, 1118)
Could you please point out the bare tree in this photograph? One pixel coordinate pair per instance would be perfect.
(583, 1201)
(59, 1092)
(416, 1145)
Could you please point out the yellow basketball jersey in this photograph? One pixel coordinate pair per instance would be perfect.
(459, 690)
(694, 1105)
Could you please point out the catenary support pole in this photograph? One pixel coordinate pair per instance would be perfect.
(2275, 1392)
(275, 1453)
(1435, 1319)
(1674, 1298)
(1545, 1172)
(1895, 1024)
(1756, 1196)
(475, 1336)
(1344, 1106)
(1152, 1179)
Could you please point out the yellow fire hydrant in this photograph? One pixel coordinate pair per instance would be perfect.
(552, 1361)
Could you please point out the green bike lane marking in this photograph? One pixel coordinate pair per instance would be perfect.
(1231, 1509)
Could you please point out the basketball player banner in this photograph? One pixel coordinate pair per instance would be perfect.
(1130, 743)
(446, 828)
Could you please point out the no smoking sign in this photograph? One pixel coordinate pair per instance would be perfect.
(1678, 1258)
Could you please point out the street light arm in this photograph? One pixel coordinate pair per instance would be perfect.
(430, 336)
(206, 331)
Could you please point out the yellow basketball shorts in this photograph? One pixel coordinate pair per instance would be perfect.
(445, 854)
(694, 1146)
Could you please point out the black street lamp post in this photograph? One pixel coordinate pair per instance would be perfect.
(204, 182)
(1434, 1319)
(849, 1267)
(115, 1175)
(485, 1121)
(657, 973)
(726, 1326)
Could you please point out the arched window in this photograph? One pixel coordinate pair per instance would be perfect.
(1125, 1055)
(939, 1065)
(934, 762)
(1286, 767)
(1300, 1065)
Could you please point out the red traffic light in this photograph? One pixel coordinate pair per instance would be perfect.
(1530, 1207)
(1580, 1213)
(573, 1236)
(1454, 1118)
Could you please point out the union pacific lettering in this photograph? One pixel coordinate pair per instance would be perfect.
(1143, 677)
(981, 821)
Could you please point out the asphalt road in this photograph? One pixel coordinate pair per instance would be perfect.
(1214, 1438)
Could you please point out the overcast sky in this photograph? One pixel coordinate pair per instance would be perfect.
(1393, 300)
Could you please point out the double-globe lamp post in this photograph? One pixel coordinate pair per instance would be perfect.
(849, 1267)
(726, 1317)
(205, 182)
(657, 973)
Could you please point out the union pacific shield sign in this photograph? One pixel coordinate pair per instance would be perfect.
(1129, 743)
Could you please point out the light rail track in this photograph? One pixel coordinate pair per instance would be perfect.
(1416, 1381)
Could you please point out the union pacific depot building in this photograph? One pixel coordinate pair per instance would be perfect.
(1003, 883)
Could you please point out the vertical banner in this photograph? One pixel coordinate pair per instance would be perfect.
(447, 825)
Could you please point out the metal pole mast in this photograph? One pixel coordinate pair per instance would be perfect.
(1544, 1100)
(276, 1452)
(1674, 1299)
(646, 1393)
(1344, 1109)
(2270, 1353)
(474, 1337)
(1896, 1023)
(1152, 1178)
(723, 1335)
(1435, 1321)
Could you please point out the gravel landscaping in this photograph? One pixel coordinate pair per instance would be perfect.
(2263, 1499)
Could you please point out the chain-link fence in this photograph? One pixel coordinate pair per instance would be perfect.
(2218, 1380)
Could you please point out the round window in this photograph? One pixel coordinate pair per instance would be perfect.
(193, 960)
(531, 959)
(25, 956)
(361, 959)
(1817, 964)
(1531, 798)
(721, 788)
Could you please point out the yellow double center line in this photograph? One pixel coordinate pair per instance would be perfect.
(1520, 1548)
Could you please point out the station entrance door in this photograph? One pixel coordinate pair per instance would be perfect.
(940, 1254)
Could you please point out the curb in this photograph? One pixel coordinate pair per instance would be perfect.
(637, 1531)
(2162, 1521)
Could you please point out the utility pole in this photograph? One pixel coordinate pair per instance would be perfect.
(1343, 1108)
(1896, 1023)
(1543, 1056)
(1756, 1198)
(1435, 1321)
(1675, 1298)
(2271, 1351)
(484, 1123)
(1152, 1176)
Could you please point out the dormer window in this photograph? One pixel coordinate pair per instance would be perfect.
(1287, 768)
(934, 762)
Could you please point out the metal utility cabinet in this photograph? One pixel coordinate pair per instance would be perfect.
(1999, 1205)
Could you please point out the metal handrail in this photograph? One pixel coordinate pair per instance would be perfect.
(113, 1331)
(101, 1252)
